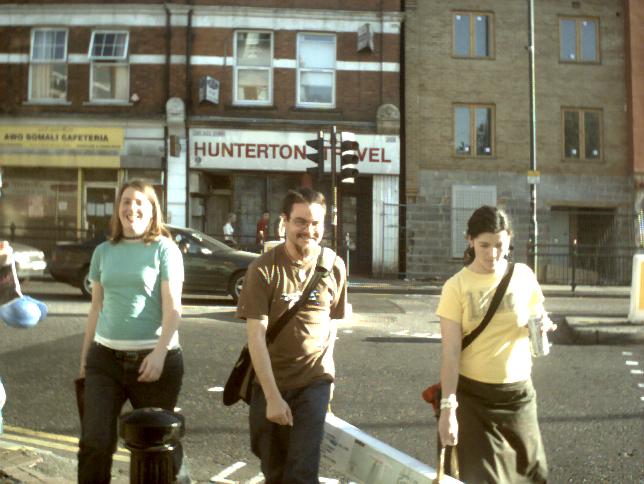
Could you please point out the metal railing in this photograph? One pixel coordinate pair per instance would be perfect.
(577, 264)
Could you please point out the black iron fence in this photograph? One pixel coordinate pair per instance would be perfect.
(576, 264)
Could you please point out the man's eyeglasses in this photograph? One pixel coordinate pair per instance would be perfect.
(301, 223)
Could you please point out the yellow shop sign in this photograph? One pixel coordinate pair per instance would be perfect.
(61, 138)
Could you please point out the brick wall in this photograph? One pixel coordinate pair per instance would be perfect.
(435, 80)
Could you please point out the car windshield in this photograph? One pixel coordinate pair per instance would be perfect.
(206, 241)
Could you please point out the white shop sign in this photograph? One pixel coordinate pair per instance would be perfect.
(283, 151)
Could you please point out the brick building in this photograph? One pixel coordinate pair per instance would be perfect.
(467, 126)
(212, 101)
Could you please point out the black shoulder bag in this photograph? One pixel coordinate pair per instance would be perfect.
(238, 385)
(432, 394)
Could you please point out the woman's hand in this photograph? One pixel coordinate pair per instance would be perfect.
(547, 324)
(152, 366)
(448, 427)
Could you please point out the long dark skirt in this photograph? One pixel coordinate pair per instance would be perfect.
(498, 434)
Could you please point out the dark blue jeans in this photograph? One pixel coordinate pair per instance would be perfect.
(290, 455)
(109, 382)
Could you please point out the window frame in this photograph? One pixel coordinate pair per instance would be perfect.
(118, 61)
(64, 61)
(582, 134)
(472, 109)
(299, 70)
(126, 48)
(472, 30)
(578, 46)
(237, 68)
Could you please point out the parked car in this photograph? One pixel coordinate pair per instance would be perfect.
(30, 261)
(211, 267)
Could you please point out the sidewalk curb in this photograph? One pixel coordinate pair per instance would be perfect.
(608, 331)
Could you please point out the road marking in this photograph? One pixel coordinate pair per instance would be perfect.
(216, 389)
(221, 477)
(627, 353)
(631, 363)
(637, 372)
(257, 479)
(51, 441)
(641, 385)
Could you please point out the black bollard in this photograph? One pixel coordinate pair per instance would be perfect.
(151, 435)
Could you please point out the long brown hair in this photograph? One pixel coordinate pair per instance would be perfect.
(157, 226)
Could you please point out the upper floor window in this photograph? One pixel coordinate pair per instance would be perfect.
(582, 134)
(473, 130)
(316, 58)
(48, 66)
(110, 70)
(578, 40)
(253, 83)
(472, 34)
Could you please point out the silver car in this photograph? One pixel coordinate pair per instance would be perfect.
(30, 262)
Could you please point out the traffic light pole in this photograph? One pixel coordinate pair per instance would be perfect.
(334, 190)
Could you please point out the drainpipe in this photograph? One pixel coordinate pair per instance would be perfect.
(188, 109)
(166, 134)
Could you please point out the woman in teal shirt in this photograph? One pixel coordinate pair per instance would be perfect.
(131, 347)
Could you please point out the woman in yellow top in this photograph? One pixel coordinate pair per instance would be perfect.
(489, 404)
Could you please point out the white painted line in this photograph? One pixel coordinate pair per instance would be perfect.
(641, 385)
(326, 480)
(402, 332)
(221, 477)
(257, 479)
(216, 389)
(631, 363)
(637, 372)
(627, 353)
(347, 331)
(642, 398)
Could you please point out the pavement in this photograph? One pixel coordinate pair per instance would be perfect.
(24, 464)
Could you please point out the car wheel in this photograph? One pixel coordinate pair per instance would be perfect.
(235, 285)
(86, 284)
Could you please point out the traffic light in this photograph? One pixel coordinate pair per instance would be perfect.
(349, 157)
(316, 156)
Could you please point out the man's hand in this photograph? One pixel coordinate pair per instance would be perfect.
(278, 411)
(152, 366)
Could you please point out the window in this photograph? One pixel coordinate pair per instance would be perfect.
(582, 134)
(578, 40)
(466, 199)
(253, 82)
(473, 130)
(48, 67)
(110, 70)
(472, 36)
(316, 70)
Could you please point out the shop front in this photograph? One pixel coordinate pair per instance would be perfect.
(248, 172)
(60, 182)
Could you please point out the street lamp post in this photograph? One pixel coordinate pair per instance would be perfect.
(534, 231)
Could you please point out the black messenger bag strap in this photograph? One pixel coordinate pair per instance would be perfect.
(496, 300)
(318, 273)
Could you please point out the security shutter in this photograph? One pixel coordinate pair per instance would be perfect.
(466, 199)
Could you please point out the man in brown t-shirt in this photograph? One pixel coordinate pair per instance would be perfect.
(294, 375)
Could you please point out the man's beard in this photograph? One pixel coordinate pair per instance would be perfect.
(308, 249)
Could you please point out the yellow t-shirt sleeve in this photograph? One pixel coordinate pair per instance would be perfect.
(449, 305)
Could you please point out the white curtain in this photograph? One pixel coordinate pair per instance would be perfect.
(41, 81)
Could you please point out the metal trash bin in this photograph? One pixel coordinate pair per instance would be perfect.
(151, 435)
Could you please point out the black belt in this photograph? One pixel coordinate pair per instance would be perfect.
(133, 355)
